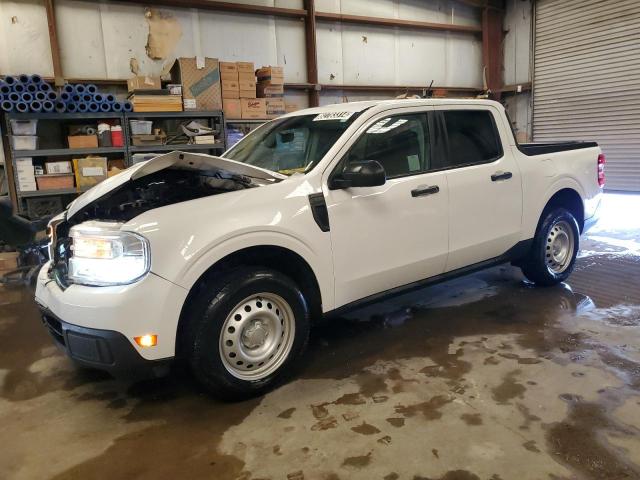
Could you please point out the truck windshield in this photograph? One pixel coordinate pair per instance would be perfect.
(293, 144)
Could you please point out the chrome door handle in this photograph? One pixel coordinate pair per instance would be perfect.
(501, 176)
(422, 190)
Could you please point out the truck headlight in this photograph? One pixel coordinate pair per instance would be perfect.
(102, 254)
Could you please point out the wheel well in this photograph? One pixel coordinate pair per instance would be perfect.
(569, 199)
(276, 258)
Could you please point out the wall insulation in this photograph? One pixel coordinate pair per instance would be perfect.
(587, 80)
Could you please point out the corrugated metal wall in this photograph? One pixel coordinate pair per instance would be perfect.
(587, 80)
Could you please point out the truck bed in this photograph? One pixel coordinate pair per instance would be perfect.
(531, 149)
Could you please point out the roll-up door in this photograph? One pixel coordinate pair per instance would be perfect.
(587, 80)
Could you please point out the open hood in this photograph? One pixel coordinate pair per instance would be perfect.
(177, 160)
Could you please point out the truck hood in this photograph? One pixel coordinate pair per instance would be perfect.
(181, 160)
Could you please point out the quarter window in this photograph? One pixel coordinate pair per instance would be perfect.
(398, 143)
(473, 137)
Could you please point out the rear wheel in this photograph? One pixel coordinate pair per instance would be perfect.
(246, 335)
(555, 247)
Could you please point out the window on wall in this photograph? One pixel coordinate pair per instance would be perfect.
(399, 143)
(473, 137)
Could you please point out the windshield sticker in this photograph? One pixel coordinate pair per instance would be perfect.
(341, 116)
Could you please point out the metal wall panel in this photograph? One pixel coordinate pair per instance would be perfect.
(587, 80)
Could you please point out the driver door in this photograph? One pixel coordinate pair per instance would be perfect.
(397, 233)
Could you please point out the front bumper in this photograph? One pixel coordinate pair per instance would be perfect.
(96, 326)
(102, 349)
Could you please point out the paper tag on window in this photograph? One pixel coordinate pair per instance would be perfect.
(92, 172)
(342, 116)
(189, 103)
(199, 63)
(414, 163)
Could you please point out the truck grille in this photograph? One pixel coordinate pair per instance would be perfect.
(61, 251)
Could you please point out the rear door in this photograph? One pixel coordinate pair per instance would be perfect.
(485, 190)
(394, 234)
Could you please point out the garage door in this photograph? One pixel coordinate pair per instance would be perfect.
(587, 80)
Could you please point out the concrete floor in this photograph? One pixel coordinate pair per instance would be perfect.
(484, 377)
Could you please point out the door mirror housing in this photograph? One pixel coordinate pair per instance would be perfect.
(367, 173)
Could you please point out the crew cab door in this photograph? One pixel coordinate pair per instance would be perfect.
(394, 234)
(485, 189)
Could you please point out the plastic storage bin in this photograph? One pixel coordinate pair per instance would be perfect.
(24, 127)
(24, 142)
(141, 127)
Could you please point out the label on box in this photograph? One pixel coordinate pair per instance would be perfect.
(199, 62)
(189, 103)
(205, 82)
(92, 172)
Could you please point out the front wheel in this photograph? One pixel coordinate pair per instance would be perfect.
(246, 335)
(554, 250)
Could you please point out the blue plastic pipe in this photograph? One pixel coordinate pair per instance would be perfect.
(14, 97)
(98, 97)
(91, 88)
(61, 107)
(127, 106)
(48, 106)
(87, 97)
(45, 87)
(83, 107)
(22, 107)
(68, 88)
(18, 88)
(79, 88)
(6, 106)
(23, 78)
(26, 97)
(36, 106)
(51, 95)
(110, 97)
(65, 96)
(40, 96)
(94, 107)
(106, 107)
(72, 107)
(9, 80)
(117, 107)
(31, 87)
(5, 88)
(35, 78)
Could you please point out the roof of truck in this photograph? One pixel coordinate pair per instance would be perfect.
(384, 104)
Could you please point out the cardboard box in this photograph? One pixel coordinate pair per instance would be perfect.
(83, 141)
(230, 89)
(253, 108)
(229, 71)
(58, 167)
(247, 88)
(246, 77)
(291, 107)
(55, 182)
(200, 79)
(271, 75)
(245, 67)
(267, 91)
(89, 171)
(275, 107)
(231, 108)
(142, 82)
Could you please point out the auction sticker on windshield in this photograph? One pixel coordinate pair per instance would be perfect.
(342, 116)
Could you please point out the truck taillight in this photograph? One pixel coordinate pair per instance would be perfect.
(601, 161)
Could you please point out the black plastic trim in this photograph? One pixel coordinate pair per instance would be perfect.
(517, 252)
(532, 149)
(105, 350)
(319, 211)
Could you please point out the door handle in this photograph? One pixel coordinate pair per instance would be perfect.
(422, 190)
(501, 176)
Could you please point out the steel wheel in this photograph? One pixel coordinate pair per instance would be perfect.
(560, 247)
(257, 336)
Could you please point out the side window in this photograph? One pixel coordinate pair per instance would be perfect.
(399, 143)
(473, 137)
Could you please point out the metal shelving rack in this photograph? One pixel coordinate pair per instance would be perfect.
(215, 118)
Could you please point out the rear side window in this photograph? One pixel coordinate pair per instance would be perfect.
(473, 137)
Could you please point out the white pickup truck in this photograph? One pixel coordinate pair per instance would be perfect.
(226, 261)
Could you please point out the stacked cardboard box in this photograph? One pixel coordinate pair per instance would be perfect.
(200, 80)
(270, 86)
(239, 90)
(25, 175)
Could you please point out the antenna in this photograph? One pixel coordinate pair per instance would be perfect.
(427, 93)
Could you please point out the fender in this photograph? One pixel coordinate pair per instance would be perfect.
(322, 269)
(559, 184)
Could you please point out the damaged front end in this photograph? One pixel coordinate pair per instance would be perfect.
(165, 180)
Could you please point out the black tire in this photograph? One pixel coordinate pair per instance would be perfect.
(209, 314)
(535, 266)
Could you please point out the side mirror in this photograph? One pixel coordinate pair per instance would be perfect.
(367, 173)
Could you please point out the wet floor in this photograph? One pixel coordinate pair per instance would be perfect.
(484, 377)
